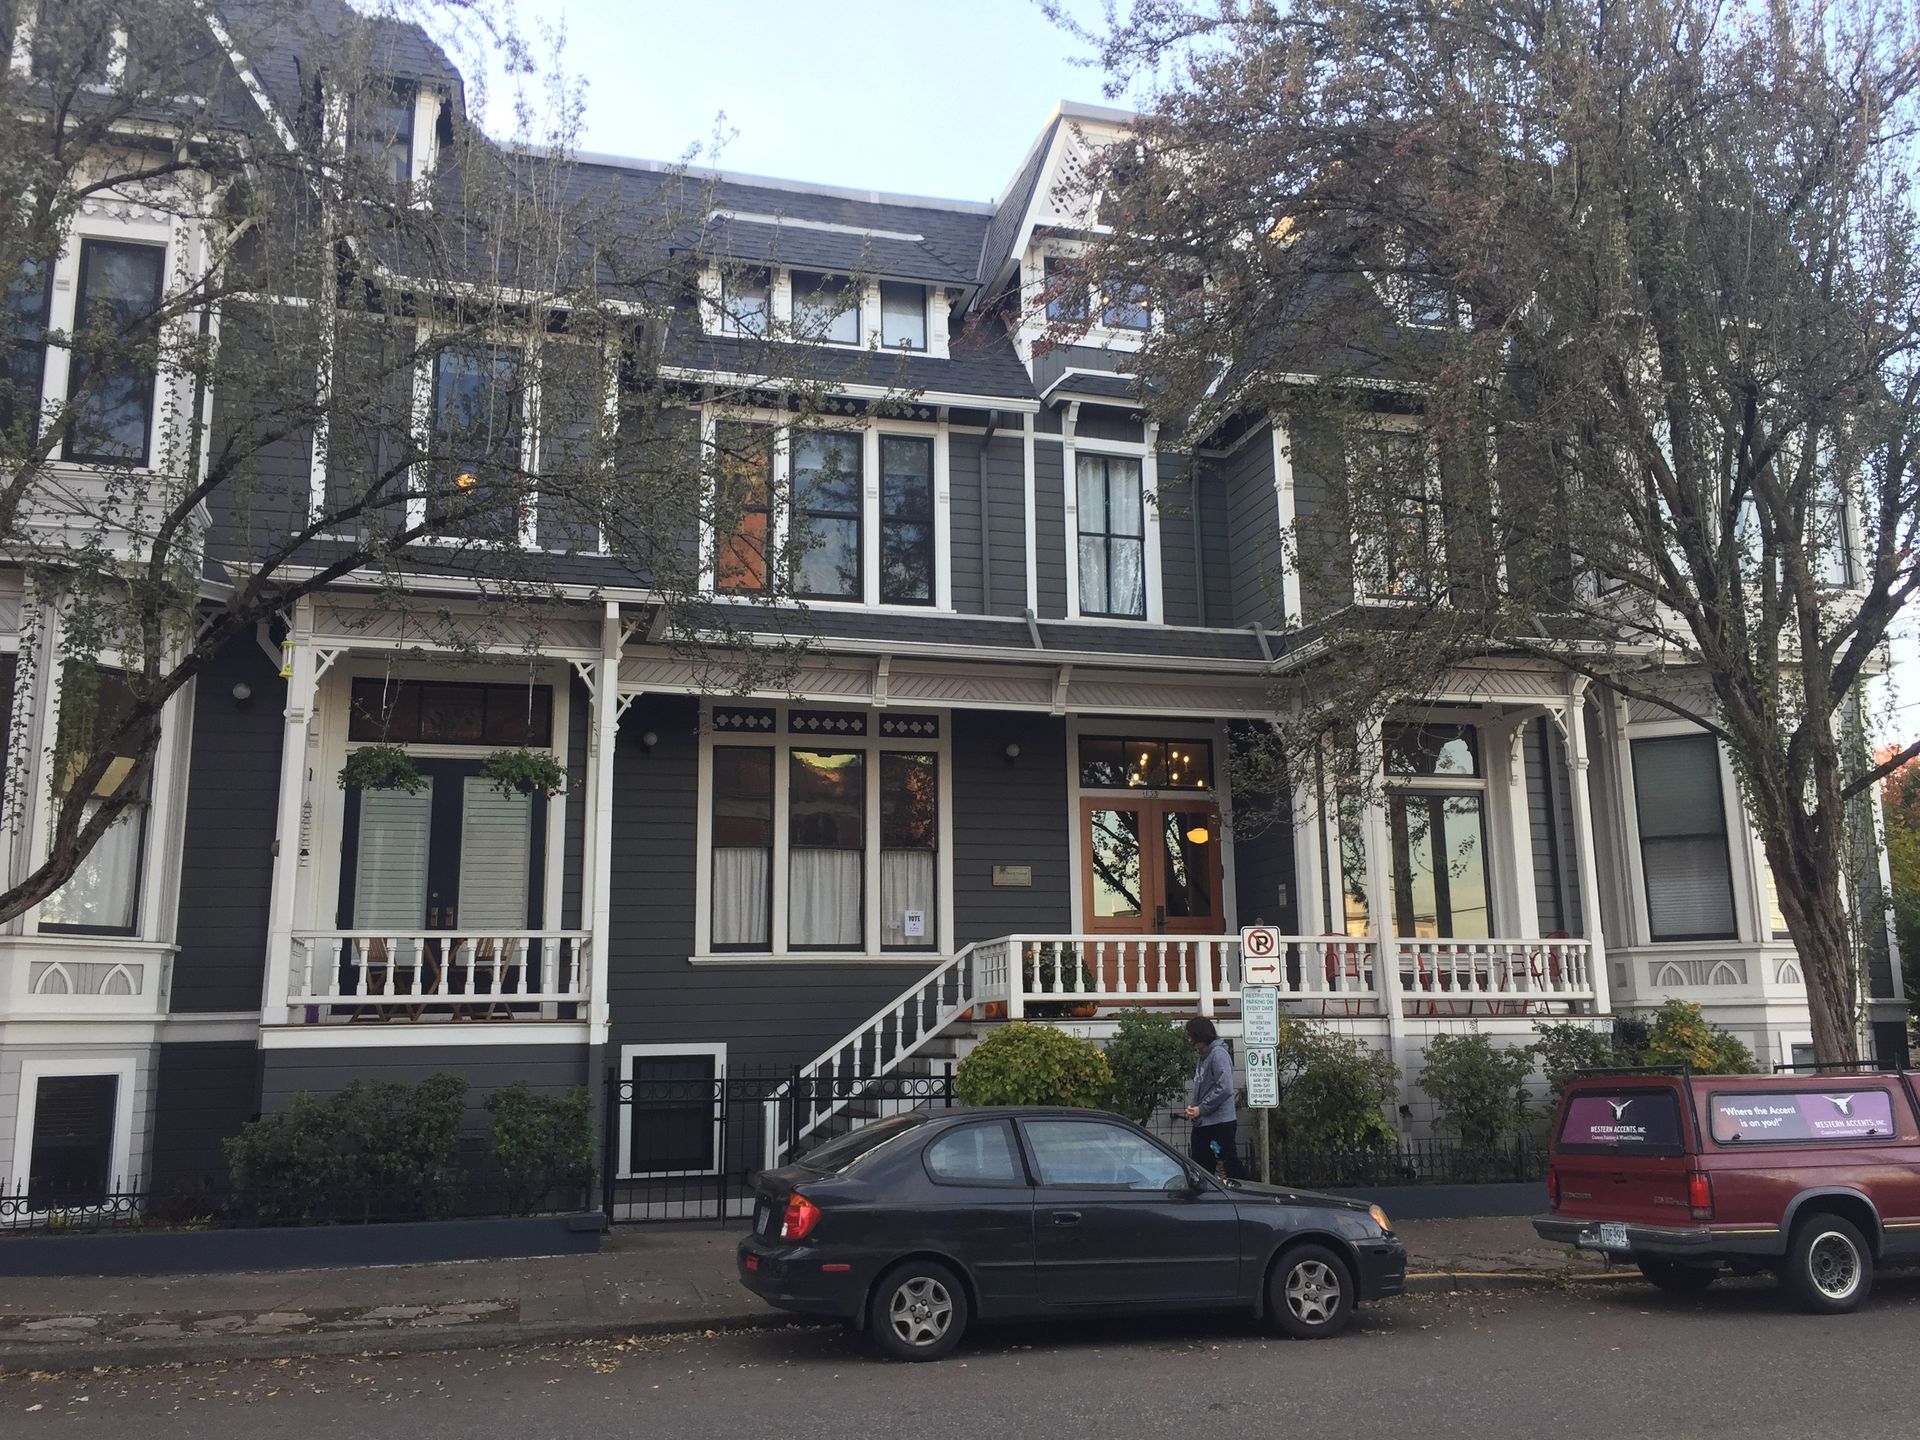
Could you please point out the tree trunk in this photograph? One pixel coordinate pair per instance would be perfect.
(1809, 877)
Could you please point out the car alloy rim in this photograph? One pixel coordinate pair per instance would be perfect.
(920, 1311)
(1313, 1292)
(1835, 1265)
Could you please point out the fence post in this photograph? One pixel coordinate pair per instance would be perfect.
(609, 1143)
(793, 1116)
(724, 1175)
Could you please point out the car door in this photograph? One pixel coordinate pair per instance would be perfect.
(981, 1210)
(1108, 1229)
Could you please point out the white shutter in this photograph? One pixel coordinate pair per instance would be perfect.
(496, 852)
(390, 872)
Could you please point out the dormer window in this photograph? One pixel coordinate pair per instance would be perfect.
(1127, 310)
(746, 302)
(903, 316)
(385, 131)
(1066, 292)
(825, 309)
(68, 41)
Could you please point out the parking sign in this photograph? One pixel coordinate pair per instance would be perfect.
(1259, 955)
(1263, 1078)
(1260, 1016)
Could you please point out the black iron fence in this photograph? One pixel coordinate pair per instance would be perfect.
(684, 1145)
(1405, 1162)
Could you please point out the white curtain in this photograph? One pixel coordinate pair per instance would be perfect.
(740, 899)
(825, 898)
(104, 889)
(906, 883)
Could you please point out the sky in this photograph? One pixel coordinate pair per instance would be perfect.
(924, 97)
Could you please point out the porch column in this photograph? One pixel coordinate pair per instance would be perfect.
(302, 681)
(1386, 958)
(1309, 836)
(599, 818)
(1517, 814)
(1574, 728)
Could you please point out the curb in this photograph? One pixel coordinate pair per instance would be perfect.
(214, 1349)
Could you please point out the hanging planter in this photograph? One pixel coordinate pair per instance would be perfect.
(381, 767)
(523, 771)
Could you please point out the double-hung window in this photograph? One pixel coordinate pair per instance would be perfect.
(827, 501)
(1397, 540)
(823, 837)
(110, 382)
(1127, 309)
(1436, 827)
(478, 401)
(906, 520)
(23, 348)
(384, 130)
(825, 309)
(746, 302)
(903, 316)
(743, 506)
(1683, 838)
(103, 895)
(1113, 529)
(1064, 288)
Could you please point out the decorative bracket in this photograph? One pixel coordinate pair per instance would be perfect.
(881, 672)
(1061, 682)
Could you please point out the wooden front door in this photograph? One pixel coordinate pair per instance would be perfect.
(1150, 866)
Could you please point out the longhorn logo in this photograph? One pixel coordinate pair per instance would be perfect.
(1619, 1108)
(1843, 1103)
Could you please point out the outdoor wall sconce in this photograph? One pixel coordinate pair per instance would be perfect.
(1013, 753)
(242, 692)
(648, 741)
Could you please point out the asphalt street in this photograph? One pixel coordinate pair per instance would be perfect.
(1615, 1362)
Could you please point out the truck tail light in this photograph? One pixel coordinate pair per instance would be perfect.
(1700, 1194)
(1553, 1186)
(802, 1215)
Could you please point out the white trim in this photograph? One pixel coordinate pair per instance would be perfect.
(1748, 913)
(872, 745)
(1032, 526)
(34, 1069)
(404, 1035)
(1285, 509)
(714, 1050)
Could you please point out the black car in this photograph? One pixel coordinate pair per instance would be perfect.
(914, 1227)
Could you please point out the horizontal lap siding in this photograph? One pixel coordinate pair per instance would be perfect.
(1556, 880)
(963, 488)
(1179, 587)
(1253, 527)
(1006, 481)
(1323, 542)
(1049, 528)
(1216, 556)
(203, 1094)
(233, 783)
(1009, 813)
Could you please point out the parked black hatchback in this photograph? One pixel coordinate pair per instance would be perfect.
(913, 1228)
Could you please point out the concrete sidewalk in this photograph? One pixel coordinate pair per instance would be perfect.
(645, 1280)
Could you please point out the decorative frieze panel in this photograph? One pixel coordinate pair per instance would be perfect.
(340, 624)
(910, 727)
(742, 720)
(825, 722)
(84, 977)
(1700, 973)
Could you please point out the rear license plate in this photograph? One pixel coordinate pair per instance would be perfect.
(1609, 1236)
(761, 1214)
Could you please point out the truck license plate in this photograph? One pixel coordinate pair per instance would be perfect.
(1609, 1236)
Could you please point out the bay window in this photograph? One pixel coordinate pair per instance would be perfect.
(822, 832)
(827, 502)
(906, 520)
(110, 380)
(1683, 838)
(103, 895)
(1112, 536)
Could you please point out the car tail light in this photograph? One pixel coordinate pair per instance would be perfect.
(1553, 1187)
(802, 1215)
(1700, 1194)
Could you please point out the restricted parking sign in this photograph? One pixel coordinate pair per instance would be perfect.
(1263, 1078)
(1259, 955)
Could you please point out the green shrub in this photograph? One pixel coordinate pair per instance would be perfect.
(1023, 1064)
(1336, 1093)
(1565, 1047)
(542, 1143)
(1151, 1063)
(1478, 1089)
(1681, 1034)
(377, 1149)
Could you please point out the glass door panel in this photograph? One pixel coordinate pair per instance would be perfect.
(1116, 882)
(1439, 866)
(1189, 898)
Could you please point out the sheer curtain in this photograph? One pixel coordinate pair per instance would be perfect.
(906, 883)
(105, 889)
(825, 898)
(741, 898)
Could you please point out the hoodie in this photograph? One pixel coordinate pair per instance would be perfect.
(1213, 1085)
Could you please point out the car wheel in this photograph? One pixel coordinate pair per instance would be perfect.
(1678, 1279)
(1829, 1266)
(1310, 1294)
(919, 1311)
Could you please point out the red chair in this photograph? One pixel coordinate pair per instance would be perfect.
(1344, 962)
(1546, 970)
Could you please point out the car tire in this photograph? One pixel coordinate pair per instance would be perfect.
(1829, 1265)
(1677, 1278)
(1310, 1293)
(919, 1311)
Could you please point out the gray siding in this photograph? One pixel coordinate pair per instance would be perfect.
(1049, 528)
(203, 1093)
(1179, 587)
(1263, 877)
(1006, 482)
(1322, 539)
(271, 482)
(1254, 554)
(550, 1069)
(1556, 878)
(963, 555)
(574, 829)
(233, 785)
(1099, 424)
(1216, 560)
(1009, 813)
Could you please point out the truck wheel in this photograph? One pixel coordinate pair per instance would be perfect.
(1676, 1278)
(1829, 1265)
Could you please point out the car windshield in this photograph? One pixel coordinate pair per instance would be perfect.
(839, 1154)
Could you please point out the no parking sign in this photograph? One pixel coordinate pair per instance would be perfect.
(1259, 955)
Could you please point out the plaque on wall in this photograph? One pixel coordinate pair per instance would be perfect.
(1013, 876)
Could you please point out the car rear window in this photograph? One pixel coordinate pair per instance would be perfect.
(838, 1154)
(1774, 1116)
(1621, 1120)
(976, 1155)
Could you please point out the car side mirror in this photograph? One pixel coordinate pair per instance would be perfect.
(1185, 1186)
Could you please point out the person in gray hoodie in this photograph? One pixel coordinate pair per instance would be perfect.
(1210, 1106)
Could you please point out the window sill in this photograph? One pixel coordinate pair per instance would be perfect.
(892, 959)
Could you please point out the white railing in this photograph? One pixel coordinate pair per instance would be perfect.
(853, 1069)
(340, 976)
(1040, 976)
(1492, 977)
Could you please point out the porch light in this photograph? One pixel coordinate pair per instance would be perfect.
(1199, 835)
(466, 480)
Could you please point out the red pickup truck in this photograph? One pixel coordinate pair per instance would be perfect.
(1814, 1177)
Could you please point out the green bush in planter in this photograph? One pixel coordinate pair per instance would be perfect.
(523, 771)
(542, 1143)
(1022, 1064)
(1151, 1063)
(381, 767)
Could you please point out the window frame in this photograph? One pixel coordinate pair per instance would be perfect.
(888, 522)
(404, 96)
(801, 514)
(1042, 310)
(1725, 836)
(1371, 585)
(34, 1069)
(778, 948)
(1429, 789)
(855, 310)
(36, 398)
(716, 1051)
(1081, 533)
(926, 322)
(727, 284)
(86, 242)
(1023, 1178)
(138, 812)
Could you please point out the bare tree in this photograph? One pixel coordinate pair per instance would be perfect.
(1598, 325)
(201, 447)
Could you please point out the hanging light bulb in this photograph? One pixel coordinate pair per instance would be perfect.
(466, 480)
(1199, 835)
